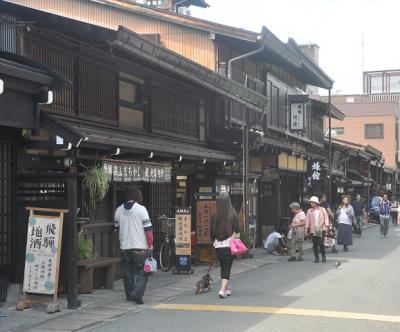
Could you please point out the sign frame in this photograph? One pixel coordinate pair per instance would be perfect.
(26, 299)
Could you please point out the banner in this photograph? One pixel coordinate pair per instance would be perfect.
(125, 171)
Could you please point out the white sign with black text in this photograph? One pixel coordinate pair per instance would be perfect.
(297, 112)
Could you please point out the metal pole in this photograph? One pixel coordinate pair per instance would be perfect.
(330, 148)
(369, 181)
(246, 177)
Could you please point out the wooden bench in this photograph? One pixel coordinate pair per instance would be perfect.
(87, 267)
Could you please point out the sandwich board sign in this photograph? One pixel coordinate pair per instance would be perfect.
(42, 257)
(183, 239)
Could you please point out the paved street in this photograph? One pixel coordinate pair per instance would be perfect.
(361, 295)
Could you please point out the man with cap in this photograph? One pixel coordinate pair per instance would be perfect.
(297, 233)
(317, 223)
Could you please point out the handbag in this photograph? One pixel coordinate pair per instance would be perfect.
(150, 265)
(237, 247)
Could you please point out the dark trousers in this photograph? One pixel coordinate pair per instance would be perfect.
(225, 261)
(318, 245)
(135, 280)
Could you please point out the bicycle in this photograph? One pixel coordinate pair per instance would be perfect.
(252, 236)
(167, 249)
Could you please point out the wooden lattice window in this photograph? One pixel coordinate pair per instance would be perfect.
(60, 61)
(175, 113)
(97, 91)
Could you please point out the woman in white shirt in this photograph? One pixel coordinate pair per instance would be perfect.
(345, 216)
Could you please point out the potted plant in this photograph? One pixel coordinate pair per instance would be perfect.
(84, 248)
(96, 182)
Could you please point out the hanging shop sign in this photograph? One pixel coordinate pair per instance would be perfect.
(316, 174)
(125, 171)
(205, 209)
(297, 112)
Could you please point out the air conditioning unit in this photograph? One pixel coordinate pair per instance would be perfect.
(184, 11)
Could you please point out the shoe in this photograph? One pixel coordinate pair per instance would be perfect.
(222, 294)
(138, 300)
(316, 260)
(292, 259)
(299, 259)
(228, 292)
(323, 259)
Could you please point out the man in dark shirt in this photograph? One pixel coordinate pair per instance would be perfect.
(325, 204)
(359, 211)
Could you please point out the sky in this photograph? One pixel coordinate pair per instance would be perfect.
(337, 26)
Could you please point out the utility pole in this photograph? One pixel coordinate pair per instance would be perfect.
(330, 148)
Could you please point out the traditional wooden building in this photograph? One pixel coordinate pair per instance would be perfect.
(137, 109)
(359, 169)
(280, 146)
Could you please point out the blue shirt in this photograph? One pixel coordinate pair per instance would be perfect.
(385, 209)
(358, 207)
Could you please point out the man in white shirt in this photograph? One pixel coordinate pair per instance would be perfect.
(136, 240)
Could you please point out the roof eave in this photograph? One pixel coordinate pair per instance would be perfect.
(140, 47)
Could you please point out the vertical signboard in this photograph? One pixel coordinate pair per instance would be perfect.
(297, 111)
(42, 258)
(183, 227)
(205, 209)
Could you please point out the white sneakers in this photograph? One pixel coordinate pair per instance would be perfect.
(225, 294)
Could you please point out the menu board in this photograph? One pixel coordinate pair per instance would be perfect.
(43, 249)
(183, 226)
(205, 209)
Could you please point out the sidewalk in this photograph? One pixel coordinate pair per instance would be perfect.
(105, 305)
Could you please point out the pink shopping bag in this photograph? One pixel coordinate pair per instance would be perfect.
(237, 247)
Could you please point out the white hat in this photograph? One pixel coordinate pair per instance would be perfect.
(314, 199)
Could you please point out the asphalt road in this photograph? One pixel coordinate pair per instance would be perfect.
(362, 295)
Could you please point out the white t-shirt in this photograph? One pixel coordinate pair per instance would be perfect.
(131, 226)
(271, 238)
(343, 217)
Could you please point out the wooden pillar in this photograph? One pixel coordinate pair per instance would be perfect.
(70, 238)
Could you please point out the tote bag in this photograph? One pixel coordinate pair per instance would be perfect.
(237, 247)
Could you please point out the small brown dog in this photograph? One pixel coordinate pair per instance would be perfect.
(203, 284)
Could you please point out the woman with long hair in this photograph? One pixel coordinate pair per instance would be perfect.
(345, 216)
(224, 224)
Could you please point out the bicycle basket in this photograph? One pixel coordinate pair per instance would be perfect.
(168, 226)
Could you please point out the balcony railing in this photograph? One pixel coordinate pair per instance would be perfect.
(245, 79)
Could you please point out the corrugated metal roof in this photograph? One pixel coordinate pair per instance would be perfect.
(370, 109)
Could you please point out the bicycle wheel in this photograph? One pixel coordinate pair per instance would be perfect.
(167, 256)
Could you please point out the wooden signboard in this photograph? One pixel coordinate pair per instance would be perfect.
(205, 209)
(183, 227)
(42, 259)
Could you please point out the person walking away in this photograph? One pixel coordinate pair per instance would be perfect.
(324, 203)
(345, 216)
(274, 244)
(384, 216)
(317, 223)
(393, 212)
(359, 211)
(224, 226)
(297, 229)
(136, 242)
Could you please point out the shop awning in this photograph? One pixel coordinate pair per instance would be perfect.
(84, 135)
